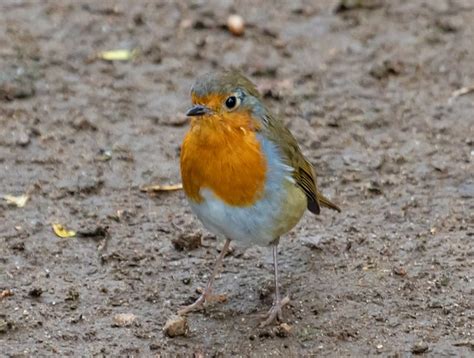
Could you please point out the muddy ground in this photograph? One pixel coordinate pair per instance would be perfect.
(368, 89)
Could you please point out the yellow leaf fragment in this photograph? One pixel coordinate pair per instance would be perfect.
(61, 231)
(19, 201)
(159, 187)
(118, 55)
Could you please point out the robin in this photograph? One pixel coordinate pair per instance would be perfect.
(243, 172)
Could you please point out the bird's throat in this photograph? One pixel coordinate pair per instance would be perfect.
(228, 160)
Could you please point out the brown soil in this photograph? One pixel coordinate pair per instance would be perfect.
(366, 87)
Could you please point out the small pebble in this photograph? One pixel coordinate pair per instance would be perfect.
(188, 242)
(235, 24)
(283, 330)
(155, 346)
(35, 292)
(6, 293)
(400, 271)
(186, 280)
(23, 139)
(124, 319)
(5, 326)
(176, 326)
(419, 348)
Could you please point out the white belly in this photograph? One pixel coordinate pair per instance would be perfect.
(277, 212)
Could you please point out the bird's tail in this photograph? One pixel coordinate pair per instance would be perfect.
(327, 203)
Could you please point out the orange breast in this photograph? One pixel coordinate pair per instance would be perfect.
(226, 159)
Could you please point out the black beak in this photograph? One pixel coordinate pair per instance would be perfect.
(197, 110)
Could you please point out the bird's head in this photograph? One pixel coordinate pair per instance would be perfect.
(227, 98)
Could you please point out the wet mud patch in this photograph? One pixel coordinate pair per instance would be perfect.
(379, 95)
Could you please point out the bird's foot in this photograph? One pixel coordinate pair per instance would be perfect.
(205, 297)
(275, 313)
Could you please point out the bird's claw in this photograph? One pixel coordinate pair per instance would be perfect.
(201, 301)
(275, 313)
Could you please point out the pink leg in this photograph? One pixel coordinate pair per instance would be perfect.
(275, 312)
(206, 295)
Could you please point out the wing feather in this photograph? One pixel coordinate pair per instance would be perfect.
(303, 172)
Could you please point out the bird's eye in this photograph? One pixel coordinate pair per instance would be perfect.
(232, 102)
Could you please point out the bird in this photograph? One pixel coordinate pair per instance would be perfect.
(243, 173)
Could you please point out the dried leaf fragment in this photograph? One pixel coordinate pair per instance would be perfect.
(460, 92)
(118, 55)
(19, 201)
(62, 232)
(159, 187)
